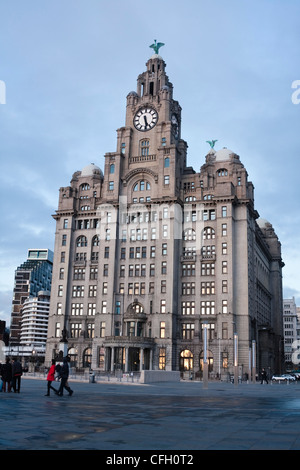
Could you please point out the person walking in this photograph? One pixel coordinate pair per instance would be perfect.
(64, 374)
(6, 374)
(264, 376)
(50, 379)
(16, 375)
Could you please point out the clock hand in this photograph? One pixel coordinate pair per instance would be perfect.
(145, 119)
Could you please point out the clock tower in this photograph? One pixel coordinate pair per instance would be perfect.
(151, 137)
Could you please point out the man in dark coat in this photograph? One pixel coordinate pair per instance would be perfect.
(64, 374)
(6, 375)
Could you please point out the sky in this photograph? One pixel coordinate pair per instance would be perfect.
(66, 67)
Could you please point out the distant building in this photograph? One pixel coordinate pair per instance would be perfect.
(290, 331)
(34, 323)
(150, 254)
(31, 277)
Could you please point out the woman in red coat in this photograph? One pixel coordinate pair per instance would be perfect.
(50, 379)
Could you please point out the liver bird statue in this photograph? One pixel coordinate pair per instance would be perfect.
(211, 143)
(156, 46)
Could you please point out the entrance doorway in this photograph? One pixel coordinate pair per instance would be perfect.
(134, 360)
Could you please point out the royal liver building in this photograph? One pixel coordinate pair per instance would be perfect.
(151, 253)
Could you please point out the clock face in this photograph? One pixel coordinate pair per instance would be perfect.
(145, 119)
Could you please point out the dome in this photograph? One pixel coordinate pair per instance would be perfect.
(91, 170)
(132, 93)
(263, 223)
(156, 56)
(223, 154)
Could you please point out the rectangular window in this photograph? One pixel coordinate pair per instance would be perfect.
(188, 269)
(92, 291)
(75, 330)
(121, 288)
(188, 288)
(104, 288)
(77, 309)
(110, 186)
(224, 211)
(163, 308)
(224, 330)
(60, 291)
(91, 309)
(64, 240)
(224, 248)
(187, 331)
(104, 306)
(188, 308)
(65, 223)
(162, 359)
(207, 269)
(59, 309)
(57, 330)
(105, 270)
(162, 329)
(207, 307)
(93, 273)
(224, 306)
(102, 329)
(163, 287)
(118, 307)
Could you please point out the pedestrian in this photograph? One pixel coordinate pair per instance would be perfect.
(263, 376)
(64, 374)
(16, 375)
(6, 374)
(51, 378)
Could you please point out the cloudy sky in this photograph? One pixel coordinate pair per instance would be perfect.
(66, 67)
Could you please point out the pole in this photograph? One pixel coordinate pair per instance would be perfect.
(205, 365)
(253, 361)
(236, 378)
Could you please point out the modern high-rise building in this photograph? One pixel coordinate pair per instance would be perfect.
(150, 254)
(32, 276)
(290, 332)
(34, 323)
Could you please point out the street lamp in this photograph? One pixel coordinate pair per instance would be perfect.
(205, 364)
(235, 340)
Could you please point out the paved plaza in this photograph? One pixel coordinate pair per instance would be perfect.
(158, 417)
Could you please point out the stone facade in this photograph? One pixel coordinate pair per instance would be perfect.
(151, 252)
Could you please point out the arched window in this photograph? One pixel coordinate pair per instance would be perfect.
(186, 360)
(142, 186)
(112, 168)
(84, 186)
(73, 354)
(96, 240)
(208, 233)
(189, 234)
(87, 357)
(210, 360)
(167, 162)
(222, 172)
(135, 307)
(81, 241)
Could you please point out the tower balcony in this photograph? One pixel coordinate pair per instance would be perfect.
(142, 158)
